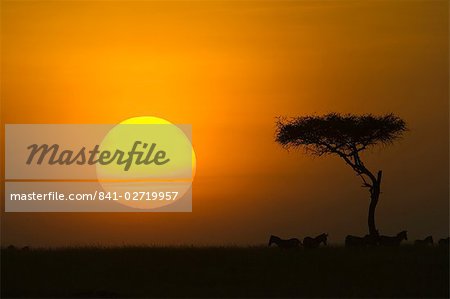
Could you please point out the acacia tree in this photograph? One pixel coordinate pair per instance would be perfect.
(345, 136)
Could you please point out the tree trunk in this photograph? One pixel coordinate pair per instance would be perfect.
(374, 195)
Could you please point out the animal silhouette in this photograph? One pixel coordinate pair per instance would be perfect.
(372, 240)
(428, 241)
(285, 244)
(393, 241)
(309, 242)
(444, 242)
(367, 240)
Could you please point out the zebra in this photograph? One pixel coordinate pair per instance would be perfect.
(425, 242)
(290, 243)
(372, 239)
(393, 241)
(310, 242)
(444, 242)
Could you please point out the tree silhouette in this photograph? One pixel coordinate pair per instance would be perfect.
(346, 136)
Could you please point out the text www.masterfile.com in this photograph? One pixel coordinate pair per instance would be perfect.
(97, 195)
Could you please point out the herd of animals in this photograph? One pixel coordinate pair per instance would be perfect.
(350, 241)
(354, 241)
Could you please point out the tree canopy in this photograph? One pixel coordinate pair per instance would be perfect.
(343, 134)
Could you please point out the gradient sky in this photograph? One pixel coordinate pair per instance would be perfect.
(229, 69)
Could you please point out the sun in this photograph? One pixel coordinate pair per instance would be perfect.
(146, 120)
(149, 120)
(153, 135)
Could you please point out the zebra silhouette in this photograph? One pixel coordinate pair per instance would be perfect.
(393, 241)
(290, 243)
(428, 241)
(309, 242)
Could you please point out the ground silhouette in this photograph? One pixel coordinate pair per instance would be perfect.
(189, 272)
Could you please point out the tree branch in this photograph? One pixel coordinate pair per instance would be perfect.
(365, 184)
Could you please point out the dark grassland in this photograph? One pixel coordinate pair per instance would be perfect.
(225, 272)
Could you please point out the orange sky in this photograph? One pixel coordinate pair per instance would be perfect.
(229, 68)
